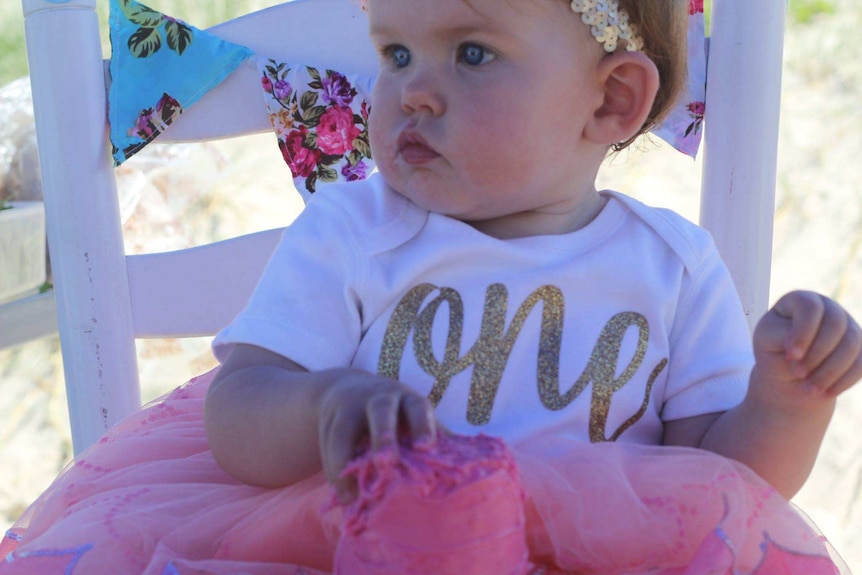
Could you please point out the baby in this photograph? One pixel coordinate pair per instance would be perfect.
(478, 282)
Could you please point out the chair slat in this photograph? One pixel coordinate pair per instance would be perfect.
(741, 141)
(82, 213)
(27, 319)
(309, 25)
(196, 291)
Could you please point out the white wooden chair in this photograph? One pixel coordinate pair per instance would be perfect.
(102, 299)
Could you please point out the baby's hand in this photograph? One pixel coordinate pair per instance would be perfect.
(361, 407)
(807, 348)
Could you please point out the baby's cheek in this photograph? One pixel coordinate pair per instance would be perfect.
(381, 146)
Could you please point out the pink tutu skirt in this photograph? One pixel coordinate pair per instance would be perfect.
(150, 499)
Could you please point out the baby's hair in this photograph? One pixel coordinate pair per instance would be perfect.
(663, 25)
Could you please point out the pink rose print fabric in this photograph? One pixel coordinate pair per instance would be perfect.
(683, 128)
(320, 118)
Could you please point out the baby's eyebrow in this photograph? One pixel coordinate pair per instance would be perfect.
(383, 31)
(380, 30)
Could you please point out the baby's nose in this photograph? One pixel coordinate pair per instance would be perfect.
(422, 94)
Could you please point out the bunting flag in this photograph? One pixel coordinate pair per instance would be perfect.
(159, 67)
(683, 127)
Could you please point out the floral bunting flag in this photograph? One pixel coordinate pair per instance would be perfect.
(320, 118)
(159, 67)
(683, 128)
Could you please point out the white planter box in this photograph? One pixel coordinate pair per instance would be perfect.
(22, 249)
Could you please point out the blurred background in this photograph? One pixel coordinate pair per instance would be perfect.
(181, 195)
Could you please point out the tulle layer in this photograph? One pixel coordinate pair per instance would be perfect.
(626, 509)
(150, 499)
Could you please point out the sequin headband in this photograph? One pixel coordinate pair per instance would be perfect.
(609, 24)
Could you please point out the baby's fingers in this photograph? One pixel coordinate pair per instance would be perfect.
(805, 311)
(339, 436)
(392, 414)
(419, 416)
(829, 332)
(843, 367)
(382, 412)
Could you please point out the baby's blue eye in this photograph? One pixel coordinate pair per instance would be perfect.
(474, 55)
(400, 55)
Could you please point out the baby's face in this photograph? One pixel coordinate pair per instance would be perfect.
(479, 108)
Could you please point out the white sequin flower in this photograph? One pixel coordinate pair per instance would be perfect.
(609, 24)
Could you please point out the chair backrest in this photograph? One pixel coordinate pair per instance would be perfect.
(105, 299)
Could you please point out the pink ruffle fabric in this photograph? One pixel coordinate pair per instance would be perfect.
(150, 499)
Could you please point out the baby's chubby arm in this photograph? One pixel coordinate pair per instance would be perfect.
(270, 422)
(808, 350)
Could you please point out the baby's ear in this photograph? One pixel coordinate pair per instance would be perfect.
(630, 81)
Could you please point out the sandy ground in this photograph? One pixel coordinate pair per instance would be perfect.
(218, 190)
